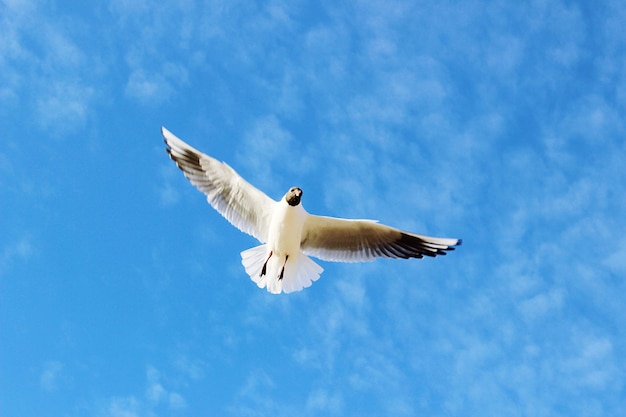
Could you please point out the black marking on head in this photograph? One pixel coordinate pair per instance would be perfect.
(293, 196)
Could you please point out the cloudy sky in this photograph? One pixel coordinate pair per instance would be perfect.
(502, 123)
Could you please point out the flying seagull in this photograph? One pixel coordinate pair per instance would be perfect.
(289, 235)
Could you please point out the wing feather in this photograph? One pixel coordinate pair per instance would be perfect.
(243, 205)
(343, 240)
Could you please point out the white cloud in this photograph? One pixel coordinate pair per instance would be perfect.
(49, 378)
(61, 51)
(430, 125)
(156, 399)
(268, 149)
(533, 203)
(176, 401)
(590, 124)
(169, 195)
(21, 7)
(321, 401)
(19, 250)
(308, 357)
(616, 261)
(192, 368)
(256, 383)
(590, 364)
(123, 407)
(153, 78)
(256, 398)
(155, 87)
(290, 102)
(537, 306)
(47, 71)
(64, 106)
(148, 88)
(126, 8)
(154, 391)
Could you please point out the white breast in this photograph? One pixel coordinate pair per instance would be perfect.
(285, 230)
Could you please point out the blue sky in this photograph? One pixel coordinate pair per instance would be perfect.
(502, 123)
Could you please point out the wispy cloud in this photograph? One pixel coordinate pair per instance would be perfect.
(448, 147)
(268, 149)
(502, 125)
(123, 407)
(325, 401)
(195, 369)
(64, 106)
(156, 399)
(48, 72)
(156, 394)
(154, 87)
(153, 78)
(168, 194)
(18, 250)
(49, 379)
(616, 261)
(253, 399)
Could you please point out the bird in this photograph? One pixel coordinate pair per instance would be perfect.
(288, 234)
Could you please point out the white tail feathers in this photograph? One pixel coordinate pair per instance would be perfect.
(300, 271)
(252, 260)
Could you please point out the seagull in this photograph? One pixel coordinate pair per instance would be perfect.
(289, 235)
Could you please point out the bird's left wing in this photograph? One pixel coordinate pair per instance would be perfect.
(343, 240)
(243, 205)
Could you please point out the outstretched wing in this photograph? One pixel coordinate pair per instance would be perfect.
(343, 240)
(245, 206)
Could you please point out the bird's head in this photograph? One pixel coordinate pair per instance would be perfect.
(293, 196)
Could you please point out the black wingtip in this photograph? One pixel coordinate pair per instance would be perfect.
(168, 148)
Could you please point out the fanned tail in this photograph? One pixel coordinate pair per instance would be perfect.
(301, 274)
(252, 260)
(300, 270)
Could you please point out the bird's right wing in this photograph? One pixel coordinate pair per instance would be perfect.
(243, 205)
(344, 240)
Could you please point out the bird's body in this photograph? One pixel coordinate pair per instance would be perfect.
(285, 229)
(282, 265)
(287, 232)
